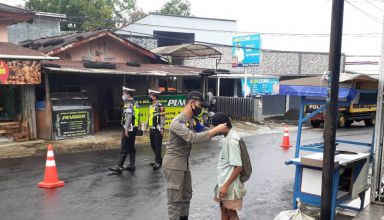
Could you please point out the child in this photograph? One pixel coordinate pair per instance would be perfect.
(229, 191)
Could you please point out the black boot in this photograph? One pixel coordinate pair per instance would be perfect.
(117, 170)
(184, 217)
(156, 166)
(130, 168)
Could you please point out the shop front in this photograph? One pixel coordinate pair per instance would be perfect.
(18, 78)
(81, 101)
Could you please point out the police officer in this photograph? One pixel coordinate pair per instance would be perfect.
(182, 135)
(156, 120)
(129, 121)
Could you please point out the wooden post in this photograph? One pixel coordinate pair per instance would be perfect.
(48, 105)
(180, 84)
(28, 109)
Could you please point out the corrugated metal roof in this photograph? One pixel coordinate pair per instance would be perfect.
(123, 69)
(11, 14)
(57, 44)
(187, 50)
(9, 50)
(13, 9)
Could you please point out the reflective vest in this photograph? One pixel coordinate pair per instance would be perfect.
(131, 107)
(136, 110)
(154, 114)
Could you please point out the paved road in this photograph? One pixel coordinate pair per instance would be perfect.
(90, 193)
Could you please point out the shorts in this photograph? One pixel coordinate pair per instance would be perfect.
(236, 204)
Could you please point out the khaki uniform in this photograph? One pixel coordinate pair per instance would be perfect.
(176, 165)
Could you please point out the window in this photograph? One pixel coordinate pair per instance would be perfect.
(166, 38)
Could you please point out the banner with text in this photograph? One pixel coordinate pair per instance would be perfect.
(72, 123)
(173, 104)
(260, 86)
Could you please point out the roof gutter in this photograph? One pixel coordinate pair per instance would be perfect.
(5, 56)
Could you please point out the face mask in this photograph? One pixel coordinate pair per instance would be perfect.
(124, 98)
(197, 111)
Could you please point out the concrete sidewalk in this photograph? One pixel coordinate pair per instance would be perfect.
(105, 140)
(99, 141)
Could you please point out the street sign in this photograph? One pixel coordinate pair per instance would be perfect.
(260, 86)
(246, 50)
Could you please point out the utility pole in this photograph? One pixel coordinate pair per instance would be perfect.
(331, 109)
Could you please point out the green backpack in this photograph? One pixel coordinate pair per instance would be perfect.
(246, 171)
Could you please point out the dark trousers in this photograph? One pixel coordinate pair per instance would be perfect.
(156, 143)
(128, 147)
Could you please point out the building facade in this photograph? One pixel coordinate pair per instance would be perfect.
(218, 34)
(20, 72)
(171, 30)
(43, 25)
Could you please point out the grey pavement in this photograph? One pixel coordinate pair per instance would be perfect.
(91, 193)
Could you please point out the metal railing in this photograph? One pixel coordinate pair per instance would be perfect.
(237, 107)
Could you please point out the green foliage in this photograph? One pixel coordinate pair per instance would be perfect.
(176, 7)
(137, 15)
(87, 14)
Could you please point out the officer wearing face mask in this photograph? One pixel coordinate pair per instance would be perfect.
(155, 123)
(129, 121)
(182, 134)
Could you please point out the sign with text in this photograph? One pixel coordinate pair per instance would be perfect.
(246, 50)
(173, 104)
(260, 86)
(72, 123)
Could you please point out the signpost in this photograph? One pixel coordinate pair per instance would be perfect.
(246, 52)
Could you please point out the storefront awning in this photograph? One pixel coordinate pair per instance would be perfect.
(123, 69)
(318, 86)
(187, 50)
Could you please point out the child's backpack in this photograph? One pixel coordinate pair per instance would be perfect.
(246, 171)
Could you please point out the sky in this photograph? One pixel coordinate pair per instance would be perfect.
(361, 17)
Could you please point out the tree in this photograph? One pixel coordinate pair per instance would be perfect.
(87, 14)
(177, 7)
(137, 15)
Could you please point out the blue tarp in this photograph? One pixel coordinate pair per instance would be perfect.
(315, 91)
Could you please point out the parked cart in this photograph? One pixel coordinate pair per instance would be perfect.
(350, 177)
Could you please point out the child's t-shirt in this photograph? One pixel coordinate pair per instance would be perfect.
(230, 156)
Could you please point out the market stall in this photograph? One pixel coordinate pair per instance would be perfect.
(351, 165)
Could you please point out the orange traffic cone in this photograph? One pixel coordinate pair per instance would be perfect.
(286, 143)
(51, 179)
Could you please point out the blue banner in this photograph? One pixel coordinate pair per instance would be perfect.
(261, 86)
(246, 50)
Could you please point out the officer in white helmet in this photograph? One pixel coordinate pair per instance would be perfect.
(155, 123)
(129, 121)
